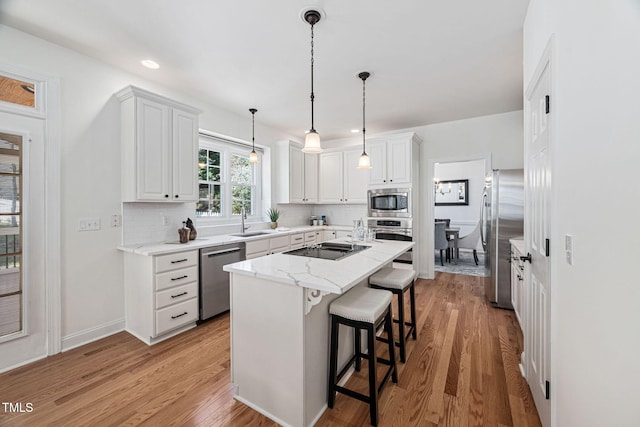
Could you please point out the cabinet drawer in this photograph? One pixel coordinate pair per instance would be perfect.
(310, 237)
(176, 278)
(176, 315)
(279, 243)
(256, 246)
(297, 239)
(175, 261)
(176, 295)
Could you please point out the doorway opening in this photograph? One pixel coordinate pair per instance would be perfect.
(455, 197)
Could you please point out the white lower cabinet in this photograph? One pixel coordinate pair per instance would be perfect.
(518, 285)
(297, 241)
(161, 294)
(268, 246)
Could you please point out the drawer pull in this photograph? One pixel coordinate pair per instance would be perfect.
(180, 260)
(298, 238)
(179, 278)
(179, 315)
(179, 295)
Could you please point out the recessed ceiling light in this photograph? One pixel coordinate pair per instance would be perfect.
(355, 130)
(150, 64)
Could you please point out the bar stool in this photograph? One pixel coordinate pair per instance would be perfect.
(365, 309)
(398, 281)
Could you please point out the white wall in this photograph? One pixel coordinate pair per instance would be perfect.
(595, 317)
(92, 292)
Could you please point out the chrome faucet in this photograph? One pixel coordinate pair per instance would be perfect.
(243, 216)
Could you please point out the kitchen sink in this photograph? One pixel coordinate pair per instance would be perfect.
(250, 234)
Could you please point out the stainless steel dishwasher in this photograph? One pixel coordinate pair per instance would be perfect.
(214, 282)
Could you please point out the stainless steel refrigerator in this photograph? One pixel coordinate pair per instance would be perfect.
(502, 218)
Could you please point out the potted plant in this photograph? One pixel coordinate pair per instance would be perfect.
(273, 215)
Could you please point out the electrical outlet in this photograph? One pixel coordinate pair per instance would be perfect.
(89, 224)
(116, 220)
(165, 220)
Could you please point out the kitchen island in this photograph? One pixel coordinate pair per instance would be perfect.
(280, 327)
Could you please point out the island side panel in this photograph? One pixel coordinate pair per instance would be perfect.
(267, 354)
(317, 341)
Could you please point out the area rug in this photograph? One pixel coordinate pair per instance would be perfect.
(466, 265)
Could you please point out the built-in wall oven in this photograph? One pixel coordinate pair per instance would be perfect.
(389, 202)
(394, 229)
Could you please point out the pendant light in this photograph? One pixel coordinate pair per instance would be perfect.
(312, 140)
(253, 156)
(364, 162)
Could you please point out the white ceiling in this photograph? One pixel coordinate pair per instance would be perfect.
(430, 61)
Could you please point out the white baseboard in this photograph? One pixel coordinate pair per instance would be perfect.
(92, 334)
(25, 362)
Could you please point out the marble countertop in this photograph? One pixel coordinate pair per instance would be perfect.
(326, 275)
(161, 248)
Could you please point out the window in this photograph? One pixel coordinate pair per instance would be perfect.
(10, 234)
(227, 181)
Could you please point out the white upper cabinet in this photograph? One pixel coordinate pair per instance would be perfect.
(393, 160)
(331, 178)
(159, 139)
(340, 179)
(295, 174)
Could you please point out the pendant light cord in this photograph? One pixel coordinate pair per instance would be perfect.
(363, 128)
(312, 95)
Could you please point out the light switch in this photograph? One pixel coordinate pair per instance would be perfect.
(89, 224)
(568, 248)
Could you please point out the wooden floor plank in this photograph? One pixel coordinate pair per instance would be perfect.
(462, 371)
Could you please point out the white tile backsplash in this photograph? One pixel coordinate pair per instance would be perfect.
(154, 222)
(341, 214)
(294, 215)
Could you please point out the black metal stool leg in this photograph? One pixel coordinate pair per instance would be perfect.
(392, 348)
(412, 300)
(333, 363)
(400, 295)
(373, 388)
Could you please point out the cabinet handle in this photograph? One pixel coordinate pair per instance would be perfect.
(179, 315)
(180, 260)
(179, 278)
(390, 180)
(298, 238)
(166, 196)
(345, 200)
(179, 295)
(340, 199)
(177, 196)
(384, 180)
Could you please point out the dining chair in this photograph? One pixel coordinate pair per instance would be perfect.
(440, 238)
(470, 241)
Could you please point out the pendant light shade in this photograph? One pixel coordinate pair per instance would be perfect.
(312, 140)
(253, 156)
(364, 162)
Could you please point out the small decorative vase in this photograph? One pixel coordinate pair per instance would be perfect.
(274, 225)
(184, 235)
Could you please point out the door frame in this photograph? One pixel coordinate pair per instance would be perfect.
(430, 201)
(48, 110)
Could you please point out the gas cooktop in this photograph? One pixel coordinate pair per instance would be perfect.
(332, 251)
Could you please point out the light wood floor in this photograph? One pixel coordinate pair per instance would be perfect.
(462, 370)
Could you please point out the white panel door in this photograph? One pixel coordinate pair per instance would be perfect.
(153, 152)
(399, 161)
(185, 156)
(23, 327)
(296, 175)
(355, 180)
(331, 179)
(537, 230)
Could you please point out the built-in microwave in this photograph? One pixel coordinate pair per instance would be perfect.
(389, 202)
